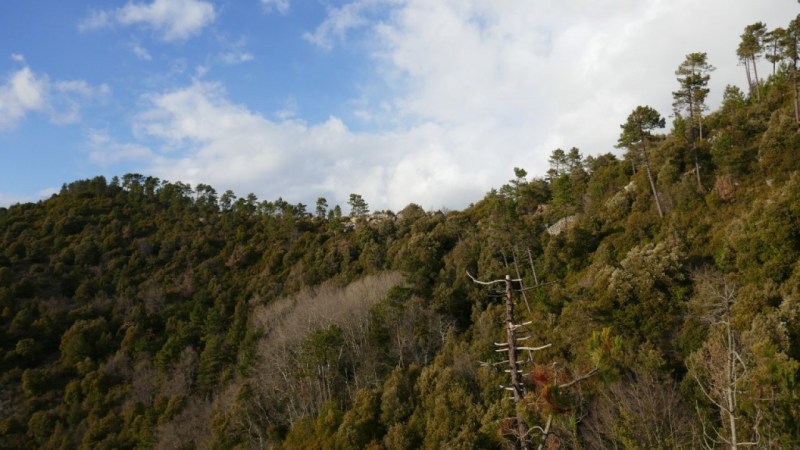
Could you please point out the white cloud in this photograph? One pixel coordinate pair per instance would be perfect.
(207, 138)
(552, 74)
(340, 21)
(174, 20)
(141, 52)
(26, 91)
(477, 87)
(47, 192)
(201, 71)
(106, 151)
(236, 53)
(290, 109)
(23, 91)
(236, 58)
(282, 6)
(69, 97)
(541, 75)
(7, 200)
(95, 20)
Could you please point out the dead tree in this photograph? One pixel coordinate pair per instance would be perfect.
(721, 367)
(511, 347)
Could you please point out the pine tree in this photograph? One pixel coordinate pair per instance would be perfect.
(790, 48)
(693, 76)
(636, 135)
(322, 207)
(750, 49)
(358, 206)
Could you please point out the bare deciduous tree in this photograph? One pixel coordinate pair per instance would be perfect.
(644, 411)
(287, 384)
(722, 365)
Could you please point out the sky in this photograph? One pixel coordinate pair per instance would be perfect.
(433, 102)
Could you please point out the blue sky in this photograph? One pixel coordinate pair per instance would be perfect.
(426, 101)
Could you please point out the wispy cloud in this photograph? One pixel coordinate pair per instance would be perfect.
(67, 99)
(25, 91)
(105, 150)
(140, 52)
(281, 6)
(96, 20)
(339, 22)
(236, 53)
(173, 20)
(290, 109)
(236, 57)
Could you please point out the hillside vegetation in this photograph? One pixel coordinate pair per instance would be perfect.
(141, 313)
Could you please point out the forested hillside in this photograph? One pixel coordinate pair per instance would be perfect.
(662, 289)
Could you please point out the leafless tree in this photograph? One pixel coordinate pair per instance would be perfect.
(721, 367)
(190, 428)
(286, 385)
(643, 411)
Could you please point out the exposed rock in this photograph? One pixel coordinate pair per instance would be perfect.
(562, 225)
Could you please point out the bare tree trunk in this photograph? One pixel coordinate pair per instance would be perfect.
(546, 432)
(730, 389)
(731, 419)
(758, 83)
(652, 183)
(516, 383)
(796, 97)
(510, 347)
(694, 146)
(533, 269)
(749, 79)
(695, 115)
(655, 193)
(516, 268)
(697, 168)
